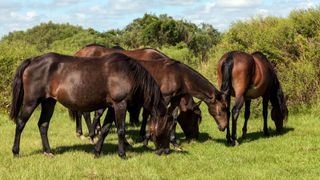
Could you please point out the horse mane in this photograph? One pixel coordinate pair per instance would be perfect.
(94, 44)
(144, 84)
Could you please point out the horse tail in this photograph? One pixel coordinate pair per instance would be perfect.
(148, 88)
(17, 90)
(72, 114)
(226, 70)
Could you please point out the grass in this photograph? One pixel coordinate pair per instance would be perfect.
(293, 155)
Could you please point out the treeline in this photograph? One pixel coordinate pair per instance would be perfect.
(291, 43)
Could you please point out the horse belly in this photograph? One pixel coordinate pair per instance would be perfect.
(81, 96)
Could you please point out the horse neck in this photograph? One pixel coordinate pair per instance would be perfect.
(198, 86)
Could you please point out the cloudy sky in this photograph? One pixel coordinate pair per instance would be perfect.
(106, 15)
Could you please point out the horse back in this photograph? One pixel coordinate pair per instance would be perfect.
(145, 54)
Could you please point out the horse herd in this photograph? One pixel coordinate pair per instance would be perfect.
(96, 78)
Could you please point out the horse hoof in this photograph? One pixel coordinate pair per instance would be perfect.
(178, 148)
(97, 155)
(266, 133)
(48, 154)
(123, 156)
(159, 152)
(91, 140)
(235, 143)
(166, 151)
(78, 134)
(15, 155)
(145, 143)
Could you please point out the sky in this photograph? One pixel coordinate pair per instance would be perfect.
(105, 15)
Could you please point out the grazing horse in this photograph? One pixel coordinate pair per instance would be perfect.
(247, 77)
(190, 114)
(177, 80)
(84, 84)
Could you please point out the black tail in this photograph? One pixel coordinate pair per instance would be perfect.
(17, 90)
(226, 70)
(148, 88)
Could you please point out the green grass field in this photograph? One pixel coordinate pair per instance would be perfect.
(293, 155)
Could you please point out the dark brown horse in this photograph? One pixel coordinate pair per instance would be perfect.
(190, 113)
(248, 77)
(84, 84)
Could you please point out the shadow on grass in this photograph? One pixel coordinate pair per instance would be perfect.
(107, 149)
(203, 137)
(256, 135)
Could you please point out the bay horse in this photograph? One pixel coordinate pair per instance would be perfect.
(190, 113)
(84, 84)
(247, 77)
(177, 80)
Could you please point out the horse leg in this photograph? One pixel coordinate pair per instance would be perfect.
(265, 115)
(235, 113)
(173, 139)
(145, 116)
(87, 119)
(78, 124)
(96, 122)
(107, 123)
(228, 136)
(47, 108)
(173, 110)
(26, 111)
(134, 112)
(246, 117)
(120, 114)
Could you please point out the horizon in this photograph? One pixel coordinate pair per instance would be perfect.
(107, 15)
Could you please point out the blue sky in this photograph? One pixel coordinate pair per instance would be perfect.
(106, 15)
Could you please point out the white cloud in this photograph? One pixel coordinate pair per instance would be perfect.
(237, 3)
(29, 16)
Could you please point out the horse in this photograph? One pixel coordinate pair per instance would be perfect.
(247, 77)
(84, 84)
(189, 118)
(190, 112)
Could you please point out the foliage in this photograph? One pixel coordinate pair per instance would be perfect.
(12, 54)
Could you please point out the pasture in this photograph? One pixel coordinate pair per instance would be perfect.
(293, 155)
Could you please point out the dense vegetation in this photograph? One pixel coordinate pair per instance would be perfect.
(291, 43)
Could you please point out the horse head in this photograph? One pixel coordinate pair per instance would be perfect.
(279, 113)
(159, 131)
(218, 108)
